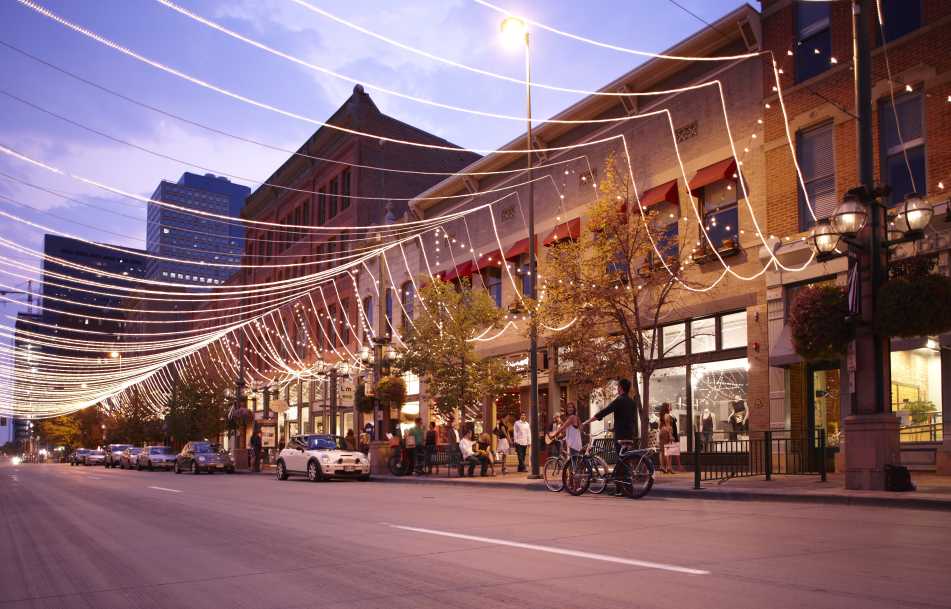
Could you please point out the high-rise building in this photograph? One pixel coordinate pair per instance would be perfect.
(186, 235)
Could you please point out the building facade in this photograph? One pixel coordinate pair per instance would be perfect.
(699, 162)
(911, 85)
(191, 237)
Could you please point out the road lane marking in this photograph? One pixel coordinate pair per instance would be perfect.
(167, 490)
(562, 551)
(95, 477)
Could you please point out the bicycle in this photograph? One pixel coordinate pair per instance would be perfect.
(633, 474)
(554, 467)
(586, 471)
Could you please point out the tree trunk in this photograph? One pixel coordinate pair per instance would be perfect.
(645, 410)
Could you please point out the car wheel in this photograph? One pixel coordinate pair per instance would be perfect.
(364, 478)
(281, 471)
(230, 470)
(194, 469)
(149, 466)
(313, 471)
(177, 469)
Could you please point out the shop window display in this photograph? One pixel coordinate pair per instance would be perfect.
(719, 391)
(669, 385)
(916, 394)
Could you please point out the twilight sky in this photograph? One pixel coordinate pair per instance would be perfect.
(457, 29)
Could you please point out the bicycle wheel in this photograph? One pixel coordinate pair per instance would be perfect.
(641, 476)
(600, 472)
(576, 476)
(553, 467)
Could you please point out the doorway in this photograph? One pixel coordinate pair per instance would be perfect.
(823, 403)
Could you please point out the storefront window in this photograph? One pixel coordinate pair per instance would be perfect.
(600, 398)
(916, 394)
(733, 330)
(703, 335)
(719, 397)
(412, 383)
(674, 343)
(669, 385)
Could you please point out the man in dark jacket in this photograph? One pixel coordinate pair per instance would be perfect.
(625, 412)
(256, 450)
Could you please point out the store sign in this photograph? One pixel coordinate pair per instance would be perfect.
(268, 436)
(518, 362)
(345, 388)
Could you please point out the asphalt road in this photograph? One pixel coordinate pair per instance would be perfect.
(103, 539)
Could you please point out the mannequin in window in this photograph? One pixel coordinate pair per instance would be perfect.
(737, 418)
(708, 423)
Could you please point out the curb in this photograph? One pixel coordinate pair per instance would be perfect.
(709, 494)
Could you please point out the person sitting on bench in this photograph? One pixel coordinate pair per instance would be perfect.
(470, 456)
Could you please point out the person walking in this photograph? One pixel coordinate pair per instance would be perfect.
(503, 442)
(256, 445)
(430, 447)
(523, 438)
(351, 440)
(415, 444)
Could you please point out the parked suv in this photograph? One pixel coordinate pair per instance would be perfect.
(156, 456)
(197, 457)
(321, 457)
(114, 454)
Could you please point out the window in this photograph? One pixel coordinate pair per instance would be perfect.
(899, 17)
(720, 213)
(492, 280)
(813, 39)
(368, 310)
(668, 238)
(408, 294)
(673, 340)
(814, 152)
(332, 326)
(733, 330)
(916, 393)
(321, 207)
(345, 189)
(389, 306)
(412, 383)
(334, 191)
(344, 326)
(895, 168)
(703, 335)
(523, 272)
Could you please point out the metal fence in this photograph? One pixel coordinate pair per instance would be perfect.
(725, 455)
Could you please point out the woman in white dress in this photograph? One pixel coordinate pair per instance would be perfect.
(503, 442)
(571, 427)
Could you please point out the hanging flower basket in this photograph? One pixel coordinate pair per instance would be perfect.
(914, 305)
(391, 390)
(364, 402)
(819, 322)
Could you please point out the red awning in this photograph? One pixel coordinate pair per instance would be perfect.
(520, 248)
(723, 170)
(463, 270)
(493, 258)
(566, 230)
(659, 194)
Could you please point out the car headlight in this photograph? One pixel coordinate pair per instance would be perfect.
(201, 459)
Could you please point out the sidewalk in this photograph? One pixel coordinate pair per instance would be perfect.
(934, 492)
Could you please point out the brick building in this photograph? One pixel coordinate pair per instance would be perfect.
(812, 43)
(731, 315)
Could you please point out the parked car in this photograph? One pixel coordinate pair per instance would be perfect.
(76, 457)
(94, 457)
(113, 453)
(321, 457)
(156, 456)
(197, 457)
(129, 456)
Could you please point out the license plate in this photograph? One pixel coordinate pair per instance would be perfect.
(348, 468)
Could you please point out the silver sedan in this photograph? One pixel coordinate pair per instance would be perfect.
(129, 456)
(151, 457)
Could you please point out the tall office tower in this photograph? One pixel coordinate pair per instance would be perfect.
(185, 233)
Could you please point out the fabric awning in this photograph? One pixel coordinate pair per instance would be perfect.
(463, 270)
(520, 248)
(566, 230)
(665, 192)
(493, 258)
(722, 170)
(781, 352)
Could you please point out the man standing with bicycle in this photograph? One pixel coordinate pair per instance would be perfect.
(625, 410)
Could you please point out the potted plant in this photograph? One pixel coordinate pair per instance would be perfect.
(914, 301)
(819, 320)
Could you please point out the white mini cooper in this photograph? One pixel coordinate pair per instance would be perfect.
(321, 457)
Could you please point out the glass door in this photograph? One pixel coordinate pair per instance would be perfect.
(824, 404)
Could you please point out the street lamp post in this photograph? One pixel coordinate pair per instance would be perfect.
(516, 30)
(859, 226)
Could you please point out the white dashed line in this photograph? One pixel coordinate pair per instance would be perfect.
(564, 552)
(167, 490)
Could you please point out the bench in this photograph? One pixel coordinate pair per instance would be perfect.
(448, 456)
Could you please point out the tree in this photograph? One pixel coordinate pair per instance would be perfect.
(82, 428)
(197, 412)
(440, 348)
(606, 294)
(134, 421)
